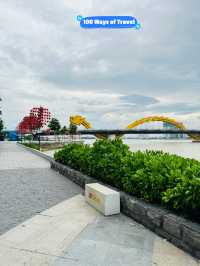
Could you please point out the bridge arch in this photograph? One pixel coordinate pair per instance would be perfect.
(80, 120)
(168, 120)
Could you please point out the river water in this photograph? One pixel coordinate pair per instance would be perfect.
(184, 148)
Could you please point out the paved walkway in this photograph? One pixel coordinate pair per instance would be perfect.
(70, 233)
(74, 234)
(28, 185)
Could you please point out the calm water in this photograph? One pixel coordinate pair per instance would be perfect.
(185, 148)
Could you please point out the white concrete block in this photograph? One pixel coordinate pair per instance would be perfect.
(102, 198)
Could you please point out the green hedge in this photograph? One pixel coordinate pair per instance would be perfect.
(154, 176)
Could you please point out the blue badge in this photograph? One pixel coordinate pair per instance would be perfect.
(105, 22)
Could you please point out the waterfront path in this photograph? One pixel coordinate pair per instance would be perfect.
(55, 226)
(28, 185)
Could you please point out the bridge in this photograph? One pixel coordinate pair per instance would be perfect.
(135, 131)
(80, 120)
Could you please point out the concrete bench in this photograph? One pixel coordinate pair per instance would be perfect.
(102, 198)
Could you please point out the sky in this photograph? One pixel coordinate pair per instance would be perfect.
(110, 76)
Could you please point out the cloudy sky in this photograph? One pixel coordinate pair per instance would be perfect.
(110, 76)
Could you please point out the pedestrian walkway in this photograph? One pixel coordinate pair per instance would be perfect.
(42, 239)
(70, 233)
(28, 185)
(74, 234)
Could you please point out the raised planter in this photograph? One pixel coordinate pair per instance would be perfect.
(181, 232)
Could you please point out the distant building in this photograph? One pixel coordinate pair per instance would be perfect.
(168, 126)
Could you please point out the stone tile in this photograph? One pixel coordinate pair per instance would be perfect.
(115, 240)
(12, 156)
(120, 241)
(166, 254)
(29, 188)
(43, 238)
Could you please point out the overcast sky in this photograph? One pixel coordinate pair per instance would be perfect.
(110, 76)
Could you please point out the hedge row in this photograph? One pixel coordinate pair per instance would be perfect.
(153, 176)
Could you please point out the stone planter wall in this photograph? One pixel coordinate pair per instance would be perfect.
(181, 232)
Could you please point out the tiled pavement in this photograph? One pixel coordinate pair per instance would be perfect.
(28, 185)
(13, 156)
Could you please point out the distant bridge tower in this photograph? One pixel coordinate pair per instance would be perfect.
(168, 126)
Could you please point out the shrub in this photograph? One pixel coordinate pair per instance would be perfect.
(74, 155)
(154, 176)
(108, 161)
(184, 197)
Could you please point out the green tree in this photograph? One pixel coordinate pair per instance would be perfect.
(72, 128)
(54, 125)
(2, 135)
(64, 130)
(1, 125)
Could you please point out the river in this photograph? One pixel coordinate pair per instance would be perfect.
(184, 148)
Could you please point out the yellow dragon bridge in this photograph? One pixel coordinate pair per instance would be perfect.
(80, 120)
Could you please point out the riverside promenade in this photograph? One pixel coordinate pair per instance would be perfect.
(44, 220)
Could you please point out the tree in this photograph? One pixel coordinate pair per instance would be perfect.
(64, 130)
(1, 130)
(1, 125)
(54, 125)
(72, 128)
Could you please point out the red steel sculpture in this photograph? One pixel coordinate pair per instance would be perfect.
(38, 117)
(42, 114)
